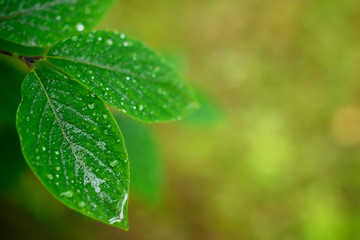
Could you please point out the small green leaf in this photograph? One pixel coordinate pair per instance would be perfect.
(43, 22)
(125, 74)
(146, 168)
(72, 143)
(208, 113)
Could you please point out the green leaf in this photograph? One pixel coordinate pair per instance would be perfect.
(43, 22)
(10, 84)
(72, 143)
(208, 113)
(146, 170)
(12, 162)
(125, 74)
(21, 49)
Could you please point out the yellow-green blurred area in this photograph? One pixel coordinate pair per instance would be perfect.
(283, 159)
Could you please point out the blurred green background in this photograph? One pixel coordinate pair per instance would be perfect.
(275, 152)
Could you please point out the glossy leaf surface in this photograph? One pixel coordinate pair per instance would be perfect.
(125, 74)
(44, 22)
(72, 143)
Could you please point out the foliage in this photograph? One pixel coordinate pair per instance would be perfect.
(68, 136)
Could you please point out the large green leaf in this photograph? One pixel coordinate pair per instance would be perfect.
(72, 143)
(147, 176)
(44, 22)
(125, 74)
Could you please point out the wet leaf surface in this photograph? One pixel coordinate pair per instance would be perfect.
(125, 74)
(72, 143)
(43, 22)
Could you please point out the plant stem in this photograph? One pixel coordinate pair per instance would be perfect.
(27, 59)
(6, 53)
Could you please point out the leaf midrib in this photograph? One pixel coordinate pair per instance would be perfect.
(168, 84)
(67, 139)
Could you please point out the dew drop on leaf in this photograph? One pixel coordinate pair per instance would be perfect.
(50, 176)
(109, 42)
(67, 194)
(80, 27)
(114, 163)
(82, 204)
(91, 106)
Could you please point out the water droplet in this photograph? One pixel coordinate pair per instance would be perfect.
(57, 152)
(125, 44)
(57, 168)
(43, 148)
(82, 204)
(68, 193)
(91, 105)
(141, 107)
(105, 116)
(99, 38)
(50, 176)
(126, 160)
(114, 163)
(122, 36)
(28, 118)
(109, 42)
(80, 27)
(58, 17)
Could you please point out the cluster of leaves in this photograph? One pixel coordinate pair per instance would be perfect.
(68, 136)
